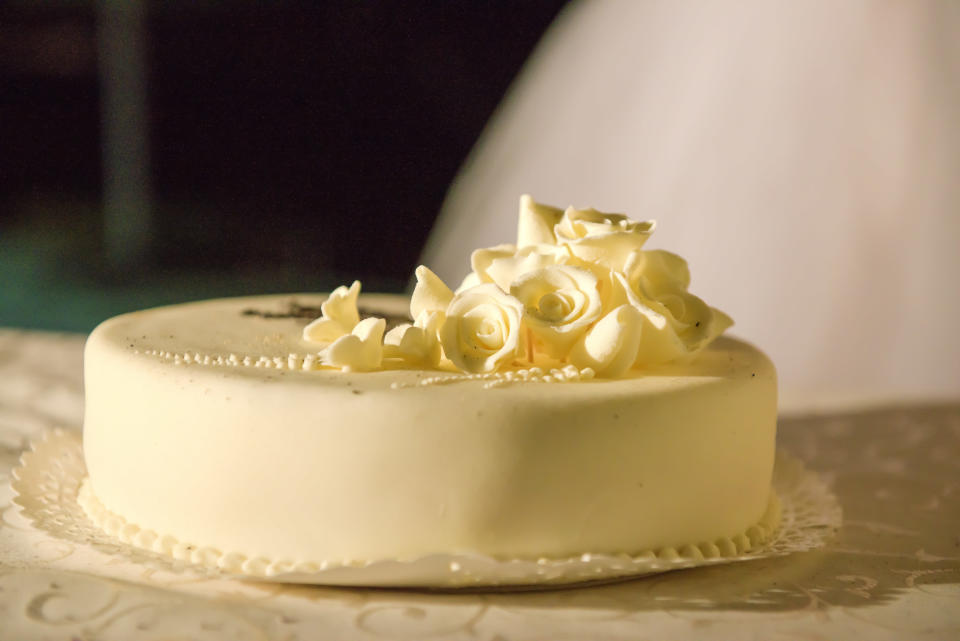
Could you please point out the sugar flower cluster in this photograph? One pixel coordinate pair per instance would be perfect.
(577, 288)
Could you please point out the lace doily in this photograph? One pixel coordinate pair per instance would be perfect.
(51, 474)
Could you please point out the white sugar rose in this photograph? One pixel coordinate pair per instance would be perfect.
(577, 286)
(430, 295)
(416, 345)
(657, 272)
(604, 239)
(339, 316)
(662, 278)
(690, 325)
(676, 324)
(536, 222)
(610, 347)
(481, 332)
(594, 237)
(561, 302)
(360, 350)
(503, 264)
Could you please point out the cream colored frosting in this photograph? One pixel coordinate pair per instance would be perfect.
(223, 429)
(578, 288)
(259, 566)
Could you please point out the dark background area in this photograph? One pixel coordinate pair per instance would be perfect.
(292, 146)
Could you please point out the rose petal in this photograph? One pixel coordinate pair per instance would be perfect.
(536, 222)
(339, 315)
(430, 295)
(610, 346)
(360, 350)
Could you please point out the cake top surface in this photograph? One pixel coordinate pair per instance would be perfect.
(577, 297)
(261, 338)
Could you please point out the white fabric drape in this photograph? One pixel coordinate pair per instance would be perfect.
(804, 157)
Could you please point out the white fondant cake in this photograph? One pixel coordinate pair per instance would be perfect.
(569, 398)
(271, 460)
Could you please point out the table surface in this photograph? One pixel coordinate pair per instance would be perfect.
(892, 572)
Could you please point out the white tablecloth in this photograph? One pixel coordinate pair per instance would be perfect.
(893, 572)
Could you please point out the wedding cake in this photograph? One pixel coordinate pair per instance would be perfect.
(570, 397)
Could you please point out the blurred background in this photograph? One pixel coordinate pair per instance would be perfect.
(155, 152)
(804, 156)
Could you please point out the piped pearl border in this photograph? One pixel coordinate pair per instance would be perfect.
(307, 362)
(568, 374)
(311, 362)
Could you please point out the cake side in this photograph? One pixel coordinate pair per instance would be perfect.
(186, 435)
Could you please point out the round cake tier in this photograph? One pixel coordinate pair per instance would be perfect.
(209, 422)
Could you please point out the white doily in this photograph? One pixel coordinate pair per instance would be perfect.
(49, 477)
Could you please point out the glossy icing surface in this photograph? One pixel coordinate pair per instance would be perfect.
(215, 425)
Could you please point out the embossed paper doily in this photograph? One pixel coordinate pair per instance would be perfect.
(50, 476)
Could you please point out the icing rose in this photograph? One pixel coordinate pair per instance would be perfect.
(416, 345)
(504, 263)
(594, 236)
(536, 222)
(339, 316)
(360, 350)
(430, 295)
(690, 325)
(576, 288)
(481, 332)
(603, 239)
(677, 324)
(561, 302)
(610, 347)
(659, 272)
